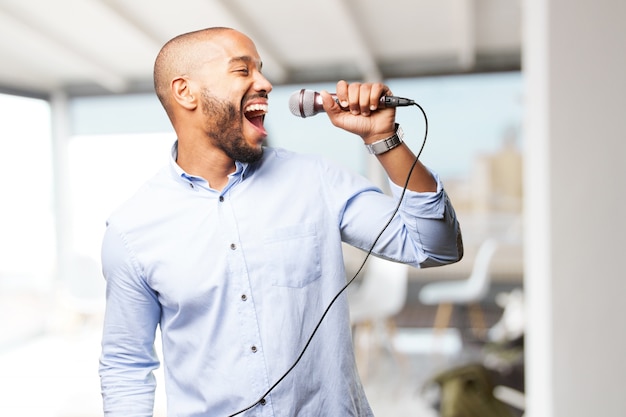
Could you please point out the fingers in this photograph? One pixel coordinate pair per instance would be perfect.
(360, 98)
(358, 110)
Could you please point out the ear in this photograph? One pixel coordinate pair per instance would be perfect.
(183, 94)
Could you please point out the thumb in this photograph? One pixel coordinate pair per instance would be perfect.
(329, 104)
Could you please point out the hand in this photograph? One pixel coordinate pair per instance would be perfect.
(358, 112)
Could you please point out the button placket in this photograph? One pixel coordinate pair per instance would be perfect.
(250, 340)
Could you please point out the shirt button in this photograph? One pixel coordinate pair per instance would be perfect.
(262, 402)
(243, 297)
(190, 185)
(253, 349)
(233, 246)
(221, 198)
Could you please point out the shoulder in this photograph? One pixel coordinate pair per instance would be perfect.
(282, 154)
(311, 171)
(280, 157)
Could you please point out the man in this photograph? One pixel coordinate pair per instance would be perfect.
(234, 249)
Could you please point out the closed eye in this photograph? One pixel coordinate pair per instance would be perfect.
(243, 64)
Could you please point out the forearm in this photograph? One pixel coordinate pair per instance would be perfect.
(398, 161)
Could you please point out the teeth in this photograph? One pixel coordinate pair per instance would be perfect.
(257, 107)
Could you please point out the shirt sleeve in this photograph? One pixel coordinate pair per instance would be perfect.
(128, 357)
(432, 223)
(423, 233)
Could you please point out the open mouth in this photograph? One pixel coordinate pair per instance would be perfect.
(255, 114)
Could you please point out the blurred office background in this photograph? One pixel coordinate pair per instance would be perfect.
(524, 100)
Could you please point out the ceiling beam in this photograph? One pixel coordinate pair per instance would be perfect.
(467, 41)
(366, 61)
(133, 22)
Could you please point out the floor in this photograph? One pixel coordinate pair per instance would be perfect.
(61, 367)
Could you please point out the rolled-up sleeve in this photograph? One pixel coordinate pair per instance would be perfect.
(431, 221)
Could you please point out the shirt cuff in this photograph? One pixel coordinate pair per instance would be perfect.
(429, 205)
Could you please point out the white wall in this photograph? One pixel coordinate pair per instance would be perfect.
(575, 178)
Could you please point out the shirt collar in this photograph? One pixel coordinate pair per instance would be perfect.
(241, 169)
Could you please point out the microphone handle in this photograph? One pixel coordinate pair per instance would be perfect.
(306, 103)
(383, 102)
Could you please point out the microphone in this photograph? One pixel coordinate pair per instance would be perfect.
(306, 103)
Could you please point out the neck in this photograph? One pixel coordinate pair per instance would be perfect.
(206, 162)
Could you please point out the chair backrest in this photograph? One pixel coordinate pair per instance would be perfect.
(480, 278)
(384, 286)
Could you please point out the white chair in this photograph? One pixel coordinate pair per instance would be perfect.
(468, 292)
(381, 295)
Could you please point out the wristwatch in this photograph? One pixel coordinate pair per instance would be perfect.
(384, 145)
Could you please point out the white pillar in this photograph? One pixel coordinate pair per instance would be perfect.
(574, 65)
(62, 204)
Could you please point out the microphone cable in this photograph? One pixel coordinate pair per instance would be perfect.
(369, 252)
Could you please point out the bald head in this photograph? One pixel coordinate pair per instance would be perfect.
(180, 57)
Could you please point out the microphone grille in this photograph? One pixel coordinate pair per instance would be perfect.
(302, 103)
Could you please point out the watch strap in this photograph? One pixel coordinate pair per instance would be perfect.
(384, 145)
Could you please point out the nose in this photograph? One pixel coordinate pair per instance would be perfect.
(262, 83)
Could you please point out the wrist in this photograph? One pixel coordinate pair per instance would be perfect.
(386, 144)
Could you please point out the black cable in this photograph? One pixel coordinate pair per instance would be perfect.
(369, 252)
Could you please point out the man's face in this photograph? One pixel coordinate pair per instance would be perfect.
(234, 98)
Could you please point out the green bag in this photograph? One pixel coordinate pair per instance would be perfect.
(467, 391)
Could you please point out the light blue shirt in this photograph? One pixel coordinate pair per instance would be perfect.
(237, 280)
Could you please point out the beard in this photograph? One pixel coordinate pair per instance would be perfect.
(224, 126)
